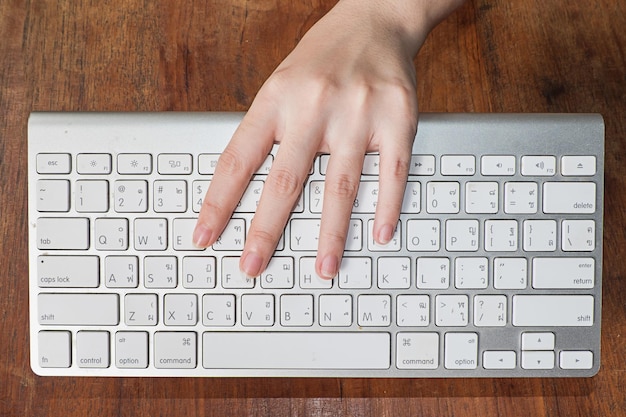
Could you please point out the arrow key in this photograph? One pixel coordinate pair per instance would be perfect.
(499, 359)
(538, 359)
(576, 359)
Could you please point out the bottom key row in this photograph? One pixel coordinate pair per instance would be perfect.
(282, 350)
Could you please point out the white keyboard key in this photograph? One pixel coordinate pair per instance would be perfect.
(423, 235)
(296, 310)
(305, 234)
(471, 273)
(355, 273)
(553, 310)
(575, 273)
(233, 236)
(309, 278)
(371, 164)
(366, 198)
(180, 309)
(394, 272)
(537, 359)
(62, 233)
(169, 196)
(412, 198)
(442, 197)
(53, 195)
(160, 271)
(175, 350)
(316, 196)
(499, 359)
(266, 165)
(490, 310)
(182, 231)
(68, 271)
(417, 350)
(569, 197)
(335, 310)
(462, 235)
(199, 272)
(141, 310)
(520, 197)
(92, 196)
(232, 277)
(251, 198)
(510, 273)
(539, 235)
(93, 163)
(134, 163)
(207, 162)
(538, 341)
(393, 245)
(578, 165)
(433, 273)
(578, 235)
(461, 350)
(92, 349)
(111, 234)
(540, 165)
(257, 310)
(374, 310)
(576, 359)
(218, 310)
(175, 164)
(413, 310)
(131, 350)
(198, 192)
(121, 271)
(55, 349)
(150, 234)
(497, 165)
(54, 163)
(501, 235)
(279, 273)
(78, 309)
(422, 165)
(281, 350)
(451, 310)
(458, 165)
(481, 197)
(131, 196)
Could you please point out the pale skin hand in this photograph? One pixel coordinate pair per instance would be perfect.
(348, 88)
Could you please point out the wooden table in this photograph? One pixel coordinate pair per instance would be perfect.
(490, 56)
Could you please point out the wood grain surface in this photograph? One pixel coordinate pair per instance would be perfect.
(155, 55)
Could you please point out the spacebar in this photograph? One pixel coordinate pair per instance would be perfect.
(280, 350)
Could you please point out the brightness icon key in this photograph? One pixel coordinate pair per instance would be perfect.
(134, 163)
(93, 163)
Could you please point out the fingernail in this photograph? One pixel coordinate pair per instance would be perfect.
(385, 234)
(201, 236)
(329, 267)
(251, 264)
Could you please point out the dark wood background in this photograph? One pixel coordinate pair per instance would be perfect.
(131, 55)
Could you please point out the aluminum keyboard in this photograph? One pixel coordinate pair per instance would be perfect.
(495, 268)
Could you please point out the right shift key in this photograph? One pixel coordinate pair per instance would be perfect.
(569, 197)
(553, 310)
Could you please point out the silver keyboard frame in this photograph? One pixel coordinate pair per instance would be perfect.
(438, 134)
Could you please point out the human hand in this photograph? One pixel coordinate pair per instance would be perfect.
(348, 88)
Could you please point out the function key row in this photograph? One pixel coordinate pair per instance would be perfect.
(452, 165)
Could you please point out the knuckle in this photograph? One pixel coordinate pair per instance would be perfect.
(343, 187)
(231, 162)
(332, 238)
(283, 182)
(263, 238)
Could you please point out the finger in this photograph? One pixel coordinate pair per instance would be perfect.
(340, 189)
(395, 156)
(246, 151)
(281, 191)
